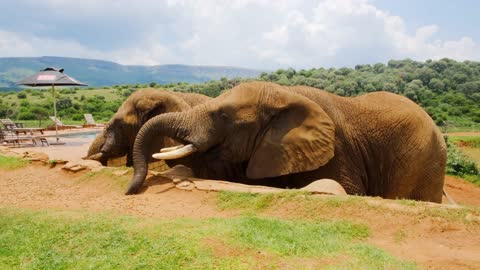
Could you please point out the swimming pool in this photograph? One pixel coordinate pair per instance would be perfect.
(83, 135)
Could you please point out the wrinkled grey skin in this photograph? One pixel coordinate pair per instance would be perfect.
(117, 139)
(378, 144)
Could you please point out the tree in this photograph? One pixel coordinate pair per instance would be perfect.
(469, 88)
(436, 85)
(40, 114)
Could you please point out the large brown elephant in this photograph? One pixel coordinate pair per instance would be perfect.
(378, 144)
(117, 139)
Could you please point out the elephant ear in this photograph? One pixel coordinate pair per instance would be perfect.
(300, 137)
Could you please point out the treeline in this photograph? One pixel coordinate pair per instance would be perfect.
(447, 89)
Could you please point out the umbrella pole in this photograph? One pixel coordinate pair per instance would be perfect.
(55, 111)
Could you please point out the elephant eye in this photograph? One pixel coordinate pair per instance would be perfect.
(224, 116)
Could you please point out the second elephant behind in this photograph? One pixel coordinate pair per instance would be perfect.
(117, 139)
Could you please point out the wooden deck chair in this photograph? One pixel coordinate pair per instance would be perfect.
(60, 125)
(90, 122)
(8, 124)
(11, 138)
(19, 128)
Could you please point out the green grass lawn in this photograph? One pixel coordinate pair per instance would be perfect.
(78, 240)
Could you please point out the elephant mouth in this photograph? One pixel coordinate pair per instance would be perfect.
(175, 152)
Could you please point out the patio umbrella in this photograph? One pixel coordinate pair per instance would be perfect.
(51, 77)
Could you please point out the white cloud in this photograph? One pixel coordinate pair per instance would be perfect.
(148, 53)
(251, 33)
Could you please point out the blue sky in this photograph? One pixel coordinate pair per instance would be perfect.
(261, 34)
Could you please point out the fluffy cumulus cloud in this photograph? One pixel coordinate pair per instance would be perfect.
(251, 33)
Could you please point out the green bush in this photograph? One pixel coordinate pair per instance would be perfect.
(458, 163)
(21, 95)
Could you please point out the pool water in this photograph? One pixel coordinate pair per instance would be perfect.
(84, 135)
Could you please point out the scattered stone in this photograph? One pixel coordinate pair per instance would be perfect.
(175, 180)
(73, 167)
(185, 185)
(55, 162)
(36, 156)
(79, 165)
(325, 186)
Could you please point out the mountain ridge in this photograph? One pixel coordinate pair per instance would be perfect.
(98, 73)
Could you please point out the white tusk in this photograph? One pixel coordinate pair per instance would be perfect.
(97, 156)
(179, 153)
(168, 149)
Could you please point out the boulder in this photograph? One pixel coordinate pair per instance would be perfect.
(325, 186)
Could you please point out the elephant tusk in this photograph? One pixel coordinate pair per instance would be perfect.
(96, 156)
(168, 149)
(179, 153)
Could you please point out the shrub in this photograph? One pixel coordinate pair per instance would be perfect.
(458, 163)
(21, 95)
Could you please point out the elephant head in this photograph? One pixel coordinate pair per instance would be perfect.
(261, 129)
(117, 139)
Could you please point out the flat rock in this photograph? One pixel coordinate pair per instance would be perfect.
(80, 165)
(216, 185)
(185, 185)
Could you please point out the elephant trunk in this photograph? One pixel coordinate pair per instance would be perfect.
(169, 125)
(96, 151)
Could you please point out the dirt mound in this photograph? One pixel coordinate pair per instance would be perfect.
(42, 187)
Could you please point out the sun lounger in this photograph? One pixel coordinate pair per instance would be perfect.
(90, 122)
(18, 127)
(60, 125)
(8, 137)
(8, 123)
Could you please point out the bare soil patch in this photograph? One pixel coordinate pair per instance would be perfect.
(463, 192)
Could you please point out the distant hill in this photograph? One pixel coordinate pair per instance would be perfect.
(103, 73)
